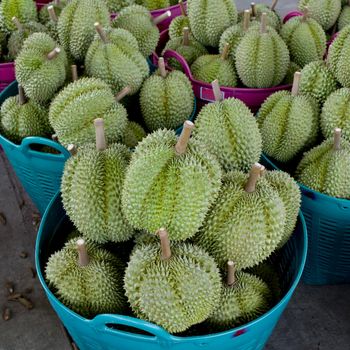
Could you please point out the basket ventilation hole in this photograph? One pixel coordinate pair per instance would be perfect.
(129, 329)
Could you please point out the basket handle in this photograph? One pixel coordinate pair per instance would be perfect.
(173, 54)
(104, 323)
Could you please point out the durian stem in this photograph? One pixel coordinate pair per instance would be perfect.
(72, 149)
(262, 171)
(225, 51)
(54, 53)
(57, 2)
(54, 137)
(337, 139)
(21, 95)
(253, 178)
(273, 5)
(216, 90)
(82, 252)
(18, 24)
(164, 243)
(74, 70)
(182, 142)
(231, 273)
(161, 18)
(161, 65)
(100, 134)
(186, 41)
(263, 24)
(296, 82)
(246, 20)
(305, 14)
(121, 94)
(253, 9)
(101, 32)
(182, 8)
(52, 13)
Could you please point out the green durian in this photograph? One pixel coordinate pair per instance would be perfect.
(166, 100)
(230, 132)
(176, 191)
(24, 10)
(326, 167)
(174, 292)
(177, 25)
(262, 57)
(317, 81)
(153, 4)
(76, 25)
(305, 38)
(293, 67)
(115, 6)
(3, 41)
(76, 106)
(58, 6)
(20, 118)
(247, 221)
(133, 134)
(88, 279)
(325, 12)
(41, 67)
(114, 57)
(209, 19)
(344, 17)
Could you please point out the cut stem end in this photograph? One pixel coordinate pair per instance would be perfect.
(165, 243)
(182, 142)
(83, 259)
(253, 178)
(100, 134)
(337, 139)
(231, 273)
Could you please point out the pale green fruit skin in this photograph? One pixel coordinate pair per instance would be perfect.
(86, 99)
(166, 102)
(317, 81)
(177, 26)
(115, 6)
(335, 114)
(138, 21)
(175, 192)
(326, 170)
(262, 60)
(154, 4)
(344, 18)
(24, 10)
(232, 36)
(288, 124)
(209, 19)
(119, 62)
(230, 132)
(133, 134)
(306, 40)
(90, 290)
(20, 121)
(243, 227)
(246, 300)
(176, 293)
(325, 12)
(210, 67)
(40, 77)
(289, 78)
(76, 25)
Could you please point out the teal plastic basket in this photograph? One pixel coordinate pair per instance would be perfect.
(328, 226)
(110, 332)
(40, 173)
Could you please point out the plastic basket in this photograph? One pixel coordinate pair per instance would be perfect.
(175, 12)
(7, 74)
(328, 225)
(101, 333)
(40, 173)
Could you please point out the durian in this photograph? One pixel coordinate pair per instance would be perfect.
(166, 99)
(177, 190)
(51, 24)
(288, 123)
(41, 67)
(178, 24)
(56, 5)
(326, 167)
(88, 279)
(154, 4)
(133, 134)
(344, 17)
(114, 57)
(293, 67)
(115, 6)
(174, 287)
(76, 106)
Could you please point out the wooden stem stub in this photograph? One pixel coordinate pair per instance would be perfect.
(216, 90)
(162, 69)
(182, 142)
(225, 51)
(246, 20)
(54, 137)
(253, 9)
(21, 95)
(121, 94)
(101, 32)
(18, 24)
(231, 273)
(296, 82)
(337, 139)
(254, 175)
(83, 259)
(74, 70)
(100, 134)
(165, 243)
(54, 53)
(182, 8)
(52, 13)
(305, 13)
(186, 31)
(263, 24)
(72, 149)
(162, 17)
(273, 5)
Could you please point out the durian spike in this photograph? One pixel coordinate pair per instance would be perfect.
(216, 90)
(72, 149)
(164, 243)
(273, 5)
(18, 24)
(54, 53)
(263, 24)
(161, 18)
(337, 139)
(100, 134)
(231, 273)
(54, 137)
(186, 31)
(101, 32)
(253, 178)
(246, 20)
(253, 9)
(182, 142)
(74, 70)
(121, 94)
(83, 259)
(52, 13)
(21, 95)
(296, 82)
(183, 10)
(225, 51)
(305, 14)
(162, 69)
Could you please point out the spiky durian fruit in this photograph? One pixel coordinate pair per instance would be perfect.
(160, 284)
(95, 177)
(209, 19)
(177, 190)
(154, 4)
(247, 221)
(86, 99)
(20, 118)
(51, 24)
(178, 23)
(115, 6)
(288, 123)
(325, 12)
(88, 279)
(24, 10)
(41, 67)
(326, 168)
(230, 132)
(262, 57)
(317, 81)
(166, 99)
(305, 39)
(114, 57)
(293, 67)
(244, 297)
(133, 134)
(344, 17)
(76, 25)
(57, 5)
